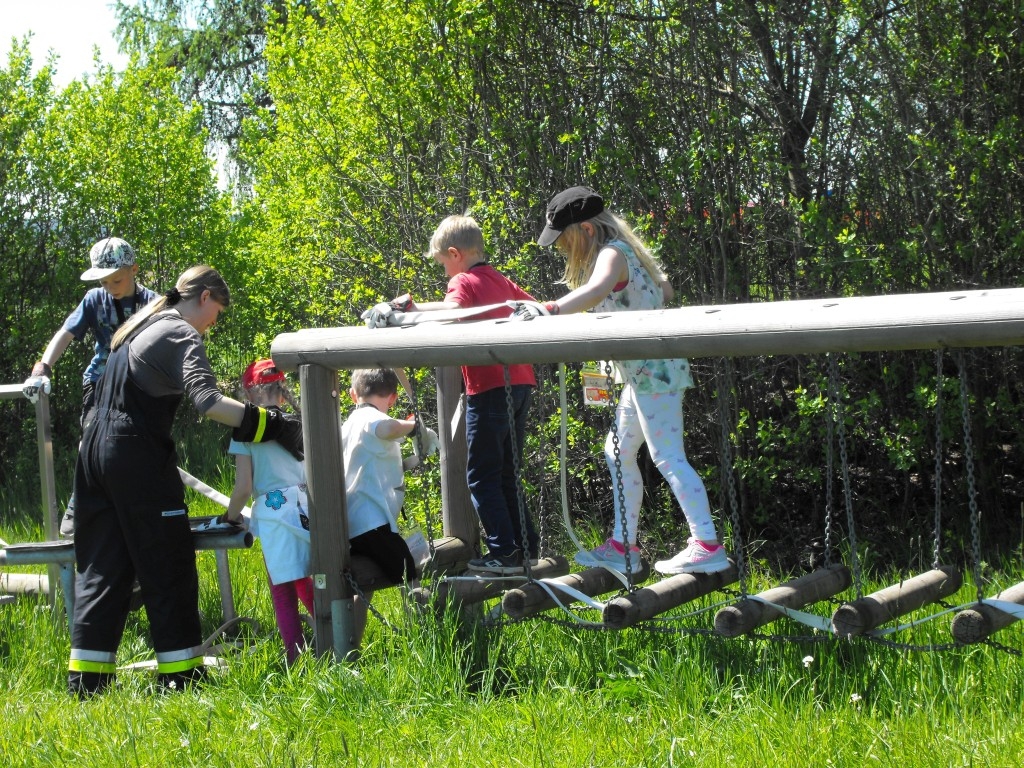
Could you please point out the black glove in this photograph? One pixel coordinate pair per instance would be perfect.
(260, 425)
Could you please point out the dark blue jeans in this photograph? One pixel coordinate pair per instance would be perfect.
(490, 467)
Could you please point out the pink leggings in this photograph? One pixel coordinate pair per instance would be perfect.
(286, 597)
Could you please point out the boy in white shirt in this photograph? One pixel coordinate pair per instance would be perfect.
(375, 478)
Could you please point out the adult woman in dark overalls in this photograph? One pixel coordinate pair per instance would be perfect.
(132, 521)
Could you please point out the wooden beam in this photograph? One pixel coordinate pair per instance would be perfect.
(979, 622)
(470, 589)
(747, 615)
(908, 321)
(333, 619)
(647, 602)
(531, 599)
(871, 611)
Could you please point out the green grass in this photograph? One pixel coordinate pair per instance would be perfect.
(444, 692)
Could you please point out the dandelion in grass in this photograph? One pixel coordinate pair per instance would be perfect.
(184, 742)
(855, 699)
(808, 660)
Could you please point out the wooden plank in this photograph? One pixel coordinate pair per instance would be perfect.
(531, 599)
(907, 321)
(871, 611)
(747, 615)
(979, 622)
(647, 602)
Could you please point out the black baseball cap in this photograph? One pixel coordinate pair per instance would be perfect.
(570, 206)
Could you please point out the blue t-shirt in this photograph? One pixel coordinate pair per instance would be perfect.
(97, 312)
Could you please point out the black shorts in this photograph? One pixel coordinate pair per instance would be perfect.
(388, 550)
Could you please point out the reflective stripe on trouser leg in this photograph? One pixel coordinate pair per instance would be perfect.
(92, 661)
(169, 662)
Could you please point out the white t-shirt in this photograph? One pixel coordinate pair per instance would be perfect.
(374, 479)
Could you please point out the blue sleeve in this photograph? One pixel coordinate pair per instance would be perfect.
(83, 318)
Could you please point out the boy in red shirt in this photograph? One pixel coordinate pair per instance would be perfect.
(493, 449)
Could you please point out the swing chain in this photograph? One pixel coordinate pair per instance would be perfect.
(357, 590)
(972, 492)
(620, 491)
(725, 417)
(428, 517)
(937, 554)
(840, 421)
(830, 438)
(516, 473)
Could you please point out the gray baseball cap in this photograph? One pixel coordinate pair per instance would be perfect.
(108, 256)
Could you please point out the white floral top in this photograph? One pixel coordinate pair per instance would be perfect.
(647, 377)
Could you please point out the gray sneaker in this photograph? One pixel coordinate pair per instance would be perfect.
(502, 565)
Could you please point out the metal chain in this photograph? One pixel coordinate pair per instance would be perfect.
(362, 596)
(542, 413)
(516, 470)
(840, 419)
(972, 493)
(620, 492)
(937, 552)
(830, 437)
(725, 456)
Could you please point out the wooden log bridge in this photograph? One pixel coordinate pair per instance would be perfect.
(531, 599)
(647, 602)
(979, 622)
(747, 615)
(859, 324)
(469, 590)
(861, 616)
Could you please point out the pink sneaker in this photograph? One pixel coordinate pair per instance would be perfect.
(698, 557)
(612, 554)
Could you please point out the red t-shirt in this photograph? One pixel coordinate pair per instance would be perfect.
(482, 284)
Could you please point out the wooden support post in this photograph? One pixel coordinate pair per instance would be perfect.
(333, 619)
(747, 615)
(458, 516)
(627, 610)
(48, 486)
(871, 611)
(531, 599)
(977, 623)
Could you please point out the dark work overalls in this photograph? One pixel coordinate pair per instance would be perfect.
(132, 523)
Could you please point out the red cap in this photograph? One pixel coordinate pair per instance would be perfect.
(261, 372)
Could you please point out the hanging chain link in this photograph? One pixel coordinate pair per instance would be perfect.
(725, 457)
(620, 492)
(429, 520)
(972, 492)
(356, 590)
(830, 438)
(840, 420)
(939, 398)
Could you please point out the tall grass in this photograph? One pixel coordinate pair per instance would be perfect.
(442, 690)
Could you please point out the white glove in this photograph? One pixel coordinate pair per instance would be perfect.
(430, 441)
(379, 315)
(32, 386)
(527, 310)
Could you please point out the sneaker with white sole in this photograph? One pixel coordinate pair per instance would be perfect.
(501, 565)
(698, 557)
(612, 554)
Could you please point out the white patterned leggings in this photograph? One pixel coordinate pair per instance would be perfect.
(658, 420)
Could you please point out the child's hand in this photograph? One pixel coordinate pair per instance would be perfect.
(430, 441)
(379, 315)
(527, 310)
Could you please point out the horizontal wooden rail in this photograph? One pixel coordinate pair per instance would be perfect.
(860, 324)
